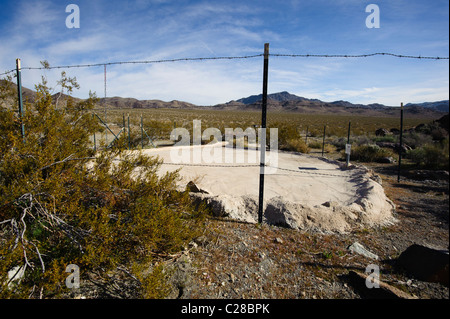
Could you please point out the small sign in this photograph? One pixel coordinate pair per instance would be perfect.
(348, 148)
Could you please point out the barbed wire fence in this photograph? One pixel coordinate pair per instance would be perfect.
(230, 58)
(266, 56)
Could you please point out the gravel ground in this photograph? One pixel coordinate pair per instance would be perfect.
(234, 260)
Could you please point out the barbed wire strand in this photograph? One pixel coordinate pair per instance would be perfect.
(359, 56)
(232, 58)
(254, 165)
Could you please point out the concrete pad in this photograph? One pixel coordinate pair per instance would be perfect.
(301, 191)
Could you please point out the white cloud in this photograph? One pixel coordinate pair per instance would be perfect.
(84, 45)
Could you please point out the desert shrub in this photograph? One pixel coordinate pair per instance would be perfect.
(62, 204)
(339, 143)
(432, 156)
(315, 144)
(415, 140)
(329, 148)
(296, 145)
(289, 138)
(362, 140)
(158, 129)
(369, 153)
(386, 138)
(439, 134)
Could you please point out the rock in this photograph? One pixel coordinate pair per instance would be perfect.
(425, 263)
(243, 208)
(278, 240)
(384, 291)
(395, 131)
(394, 146)
(359, 249)
(330, 204)
(202, 240)
(381, 132)
(15, 275)
(191, 187)
(386, 160)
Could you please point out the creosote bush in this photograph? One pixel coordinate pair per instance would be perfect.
(431, 155)
(369, 153)
(61, 203)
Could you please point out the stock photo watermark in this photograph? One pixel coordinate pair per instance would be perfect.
(373, 19)
(73, 280)
(236, 141)
(373, 278)
(73, 19)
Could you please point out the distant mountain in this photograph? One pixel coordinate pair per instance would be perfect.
(442, 106)
(277, 102)
(286, 102)
(127, 103)
(279, 97)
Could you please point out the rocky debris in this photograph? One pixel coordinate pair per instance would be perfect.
(278, 240)
(361, 250)
(382, 132)
(444, 122)
(192, 188)
(394, 146)
(387, 160)
(243, 208)
(395, 131)
(429, 175)
(181, 271)
(379, 290)
(15, 275)
(425, 263)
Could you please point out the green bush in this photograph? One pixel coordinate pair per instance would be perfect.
(315, 144)
(289, 139)
(369, 153)
(296, 145)
(432, 156)
(63, 204)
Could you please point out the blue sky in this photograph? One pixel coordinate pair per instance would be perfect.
(112, 31)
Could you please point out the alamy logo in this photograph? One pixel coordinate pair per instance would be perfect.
(236, 141)
(373, 19)
(73, 280)
(73, 19)
(373, 278)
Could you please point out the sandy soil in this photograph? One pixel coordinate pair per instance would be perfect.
(234, 260)
(300, 191)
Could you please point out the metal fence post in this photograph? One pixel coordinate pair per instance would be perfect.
(142, 133)
(306, 137)
(19, 92)
(348, 143)
(263, 132)
(95, 142)
(129, 140)
(401, 143)
(323, 141)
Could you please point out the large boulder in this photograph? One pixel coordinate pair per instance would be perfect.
(425, 263)
(444, 122)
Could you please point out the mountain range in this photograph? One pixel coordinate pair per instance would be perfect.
(279, 102)
(284, 101)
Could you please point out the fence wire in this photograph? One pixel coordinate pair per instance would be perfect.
(232, 58)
